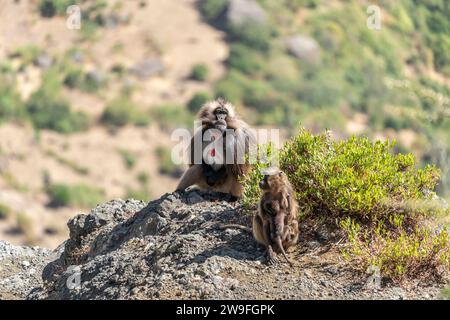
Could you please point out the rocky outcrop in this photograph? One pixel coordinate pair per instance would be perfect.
(245, 11)
(21, 269)
(173, 248)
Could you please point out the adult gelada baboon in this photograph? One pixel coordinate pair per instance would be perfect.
(218, 152)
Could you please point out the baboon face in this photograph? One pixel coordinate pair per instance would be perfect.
(221, 114)
(270, 181)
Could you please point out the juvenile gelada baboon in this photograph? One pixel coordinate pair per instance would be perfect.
(275, 225)
(218, 151)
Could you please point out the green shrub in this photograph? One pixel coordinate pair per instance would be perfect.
(83, 81)
(244, 59)
(47, 109)
(231, 87)
(323, 90)
(28, 54)
(211, 9)
(11, 107)
(260, 95)
(172, 116)
(197, 101)
(122, 111)
(378, 199)
(251, 34)
(5, 211)
(50, 8)
(129, 158)
(199, 72)
(54, 113)
(79, 195)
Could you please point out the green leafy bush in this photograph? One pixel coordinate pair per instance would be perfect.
(251, 34)
(172, 116)
(83, 81)
(231, 87)
(11, 107)
(5, 211)
(244, 59)
(378, 199)
(53, 112)
(199, 72)
(27, 54)
(197, 101)
(122, 111)
(50, 8)
(211, 9)
(79, 195)
(47, 109)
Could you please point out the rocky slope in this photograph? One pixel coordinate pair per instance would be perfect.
(173, 248)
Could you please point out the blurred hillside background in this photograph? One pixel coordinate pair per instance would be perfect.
(86, 115)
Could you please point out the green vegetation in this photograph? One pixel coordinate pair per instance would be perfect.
(166, 165)
(197, 101)
(170, 117)
(5, 211)
(86, 82)
(379, 200)
(67, 162)
(446, 293)
(50, 8)
(79, 195)
(27, 54)
(355, 72)
(121, 112)
(212, 9)
(199, 72)
(129, 158)
(11, 107)
(47, 109)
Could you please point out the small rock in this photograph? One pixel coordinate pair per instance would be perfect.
(243, 11)
(25, 263)
(148, 68)
(96, 77)
(313, 245)
(304, 48)
(194, 198)
(43, 61)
